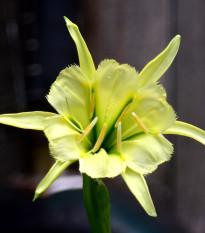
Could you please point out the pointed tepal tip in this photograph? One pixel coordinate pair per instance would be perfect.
(152, 213)
(175, 42)
(178, 37)
(65, 18)
(68, 22)
(35, 196)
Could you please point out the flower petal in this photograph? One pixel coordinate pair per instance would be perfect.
(63, 140)
(101, 165)
(51, 176)
(159, 65)
(152, 108)
(138, 186)
(26, 120)
(85, 59)
(184, 129)
(70, 95)
(144, 153)
(114, 86)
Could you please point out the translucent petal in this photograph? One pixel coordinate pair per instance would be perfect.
(63, 140)
(70, 95)
(184, 129)
(144, 153)
(159, 65)
(51, 176)
(114, 86)
(26, 120)
(101, 165)
(138, 186)
(85, 59)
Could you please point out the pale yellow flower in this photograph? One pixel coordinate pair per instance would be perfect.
(110, 119)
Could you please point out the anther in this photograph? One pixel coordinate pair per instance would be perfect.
(140, 123)
(100, 138)
(92, 105)
(87, 130)
(119, 137)
(123, 114)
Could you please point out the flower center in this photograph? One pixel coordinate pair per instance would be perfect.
(118, 124)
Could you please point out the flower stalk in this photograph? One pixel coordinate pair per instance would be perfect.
(97, 204)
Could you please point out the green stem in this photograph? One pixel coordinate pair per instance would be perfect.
(97, 204)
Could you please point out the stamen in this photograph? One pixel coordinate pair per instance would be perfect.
(92, 105)
(87, 130)
(71, 123)
(100, 138)
(119, 137)
(123, 114)
(140, 123)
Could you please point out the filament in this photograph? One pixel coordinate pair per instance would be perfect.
(123, 114)
(87, 130)
(100, 138)
(71, 123)
(140, 123)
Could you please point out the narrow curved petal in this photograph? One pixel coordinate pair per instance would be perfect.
(153, 71)
(27, 120)
(144, 153)
(51, 176)
(114, 86)
(63, 138)
(85, 59)
(184, 129)
(101, 165)
(138, 186)
(70, 95)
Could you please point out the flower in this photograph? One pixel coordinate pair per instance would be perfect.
(110, 119)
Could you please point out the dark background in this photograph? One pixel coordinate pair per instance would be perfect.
(35, 45)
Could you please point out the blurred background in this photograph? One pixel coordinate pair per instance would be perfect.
(35, 45)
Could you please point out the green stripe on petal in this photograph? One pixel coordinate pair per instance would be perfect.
(27, 120)
(153, 71)
(114, 86)
(138, 186)
(70, 95)
(63, 140)
(184, 129)
(101, 165)
(144, 153)
(51, 176)
(85, 59)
